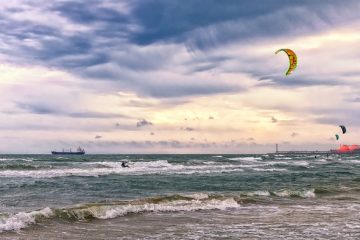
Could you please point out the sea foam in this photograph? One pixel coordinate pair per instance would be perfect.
(117, 209)
(23, 219)
(96, 169)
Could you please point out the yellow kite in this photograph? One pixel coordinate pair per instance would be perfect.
(292, 59)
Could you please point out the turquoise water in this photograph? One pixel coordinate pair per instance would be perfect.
(179, 197)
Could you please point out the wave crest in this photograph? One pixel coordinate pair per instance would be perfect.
(175, 203)
(23, 219)
(288, 193)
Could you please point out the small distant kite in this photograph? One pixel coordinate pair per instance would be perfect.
(292, 59)
(343, 130)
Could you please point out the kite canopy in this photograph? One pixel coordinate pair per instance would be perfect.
(343, 129)
(292, 59)
(337, 136)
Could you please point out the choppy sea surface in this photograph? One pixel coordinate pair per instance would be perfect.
(180, 197)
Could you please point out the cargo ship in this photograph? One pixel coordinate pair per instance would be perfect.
(79, 151)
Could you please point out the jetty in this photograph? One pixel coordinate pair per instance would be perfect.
(302, 152)
(343, 149)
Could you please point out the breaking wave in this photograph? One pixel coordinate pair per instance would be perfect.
(22, 167)
(87, 212)
(250, 159)
(23, 219)
(287, 193)
(161, 204)
(310, 193)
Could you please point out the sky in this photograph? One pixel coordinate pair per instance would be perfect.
(160, 76)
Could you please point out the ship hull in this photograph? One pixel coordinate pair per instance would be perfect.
(67, 153)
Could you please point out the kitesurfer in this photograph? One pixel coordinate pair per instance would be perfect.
(124, 164)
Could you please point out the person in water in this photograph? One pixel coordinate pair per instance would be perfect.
(124, 164)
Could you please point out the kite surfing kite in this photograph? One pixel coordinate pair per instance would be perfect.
(292, 59)
(343, 130)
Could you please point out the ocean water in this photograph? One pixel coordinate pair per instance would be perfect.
(180, 197)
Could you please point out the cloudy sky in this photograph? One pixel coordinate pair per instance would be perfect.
(160, 76)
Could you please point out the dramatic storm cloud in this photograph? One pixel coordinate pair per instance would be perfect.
(72, 69)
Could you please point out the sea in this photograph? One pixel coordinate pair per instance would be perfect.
(271, 196)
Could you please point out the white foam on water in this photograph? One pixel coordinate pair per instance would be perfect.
(284, 193)
(288, 193)
(17, 159)
(290, 163)
(322, 160)
(258, 193)
(8, 159)
(250, 159)
(153, 164)
(285, 158)
(197, 196)
(299, 163)
(269, 169)
(352, 161)
(253, 165)
(23, 219)
(353, 226)
(136, 168)
(200, 201)
(308, 194)
(108, 212)
(210, 163)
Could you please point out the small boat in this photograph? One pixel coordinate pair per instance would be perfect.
(79, 151)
